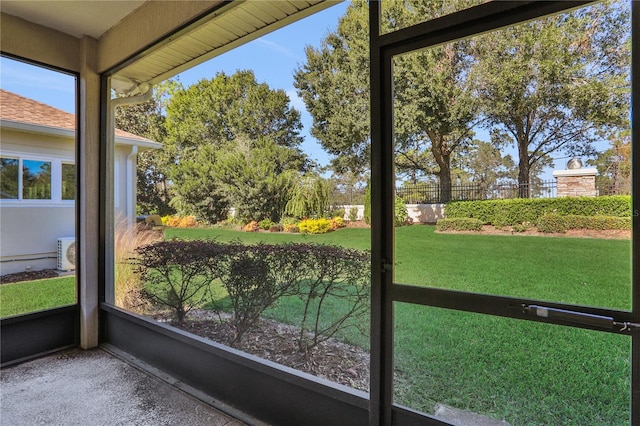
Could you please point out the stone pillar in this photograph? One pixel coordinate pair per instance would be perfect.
(576, 182)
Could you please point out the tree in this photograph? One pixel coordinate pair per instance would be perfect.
(556, 83)
(256, 178)
(235, 142)
(614, 165)
(227, 107)
(434, 108)
(196, 188)
(482, 163)
(310, 197)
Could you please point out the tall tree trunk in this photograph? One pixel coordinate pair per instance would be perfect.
(443, 158)
(523, 170)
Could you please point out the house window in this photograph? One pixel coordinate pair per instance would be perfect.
(36, 180)
(8, 178)
(68, 181)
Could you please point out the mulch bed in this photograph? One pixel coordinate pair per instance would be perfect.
(332, 360)
(29, 276)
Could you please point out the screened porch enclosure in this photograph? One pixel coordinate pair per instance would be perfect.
(119, 60)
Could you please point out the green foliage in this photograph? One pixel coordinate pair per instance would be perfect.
(459, 224)
(515, 211)
(234, 142)
(196, 186)
(178, 273)
(314, 226)
(614, 165)
(434, 106)
(401, 216)
(265, 224)
(310, 198)
(551, 223)
(353, 214)
(367, 205)
(256, 178)
(526, 78)
(148, 120)
(228, 107)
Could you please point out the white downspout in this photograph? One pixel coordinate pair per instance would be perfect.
(146, 93)
(131, 186)
(130, 173)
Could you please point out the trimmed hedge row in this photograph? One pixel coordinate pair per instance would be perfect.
(519, 210)
(459, 224)
(553, 222)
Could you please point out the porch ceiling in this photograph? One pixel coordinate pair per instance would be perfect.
(229, 26)
(115, 23)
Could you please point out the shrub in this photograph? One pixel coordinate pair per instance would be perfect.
(178, 274)
(176, 221)
(597, 222)
(353, 214)
(291, 228)
(335, 212)
(551, 223)
(512, 212)
(314, 226)
(336, 272)
(401, 216)
(521, 227)
(459, 224)
(251, 226)
(336, 223)
(265, 224)
(275, 228)
(129, 289)
(288, 220)
(187, 222)
(310, 198)
(257, 276)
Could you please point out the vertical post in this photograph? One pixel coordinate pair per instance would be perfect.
(88, 201)
(635, 188)
(382, 232)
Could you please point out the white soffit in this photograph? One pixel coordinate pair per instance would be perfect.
(233, 24)
(77, 18)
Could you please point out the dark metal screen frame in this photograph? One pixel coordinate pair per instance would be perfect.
(35, 334)
(466, 23)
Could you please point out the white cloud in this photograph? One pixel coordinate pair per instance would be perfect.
(283, 50)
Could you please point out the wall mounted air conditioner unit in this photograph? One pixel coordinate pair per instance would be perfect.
(66, 254)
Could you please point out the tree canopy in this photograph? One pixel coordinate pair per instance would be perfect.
(557, 83)
(235, 142)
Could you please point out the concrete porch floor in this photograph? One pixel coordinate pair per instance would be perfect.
(77, 387)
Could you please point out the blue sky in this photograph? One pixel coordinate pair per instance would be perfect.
(273, 58)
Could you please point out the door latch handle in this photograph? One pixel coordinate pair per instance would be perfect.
(575, 317)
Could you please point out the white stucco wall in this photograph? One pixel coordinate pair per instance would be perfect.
(29, 229)
(419, 213)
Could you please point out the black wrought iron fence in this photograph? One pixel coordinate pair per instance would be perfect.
(430, 193)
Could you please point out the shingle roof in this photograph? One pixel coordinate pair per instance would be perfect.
(14, 107)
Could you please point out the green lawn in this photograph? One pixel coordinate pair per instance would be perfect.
(527, 373)
(31, 296)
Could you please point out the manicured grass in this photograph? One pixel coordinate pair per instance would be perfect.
(31, 296)
(526, 373)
